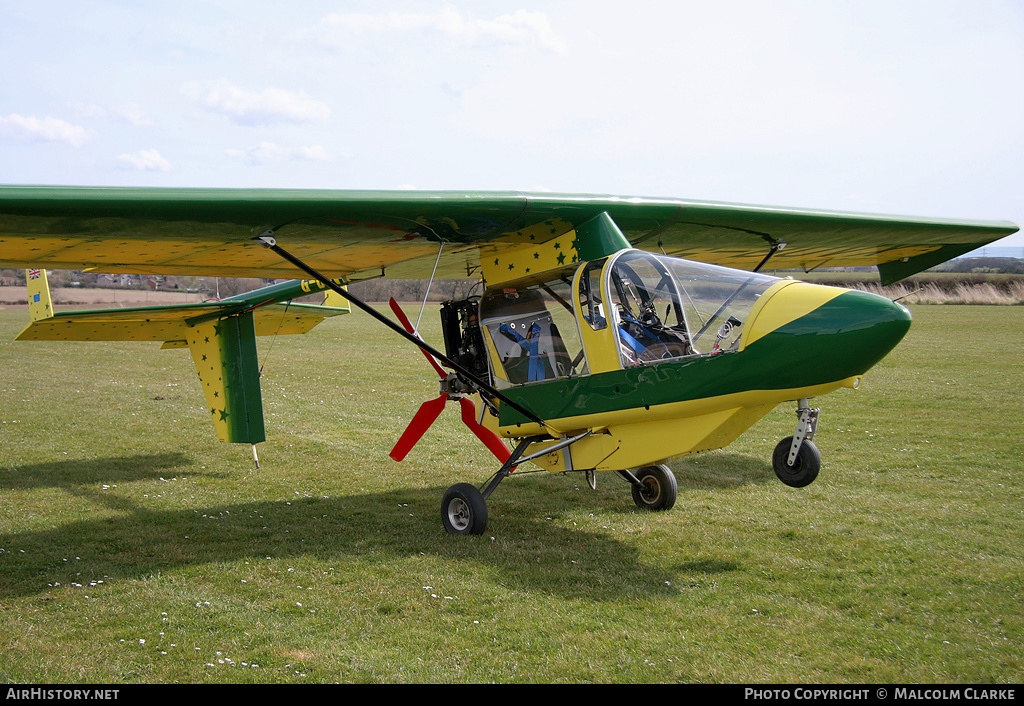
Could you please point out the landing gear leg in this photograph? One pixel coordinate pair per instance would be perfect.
(460, 503)
(796, 459)
(464, 506)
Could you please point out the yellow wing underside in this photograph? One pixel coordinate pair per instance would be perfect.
(400, 260)
(211, 232)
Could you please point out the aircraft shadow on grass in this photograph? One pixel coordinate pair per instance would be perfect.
(140, 541)
(735, 470)
(80, 473)
(720, 470)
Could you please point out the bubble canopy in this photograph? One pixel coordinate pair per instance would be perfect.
(650, 307)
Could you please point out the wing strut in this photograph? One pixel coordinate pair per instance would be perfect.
(440, 249)
(776, 245)
(269, 242)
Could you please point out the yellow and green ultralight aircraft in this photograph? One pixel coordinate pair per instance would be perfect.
(609, 333)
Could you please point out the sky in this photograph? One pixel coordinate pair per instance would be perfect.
(908, 107)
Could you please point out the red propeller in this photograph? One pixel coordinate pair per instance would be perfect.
(430, 410)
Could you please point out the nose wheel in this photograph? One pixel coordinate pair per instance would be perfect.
(796, 460)
(804, 467)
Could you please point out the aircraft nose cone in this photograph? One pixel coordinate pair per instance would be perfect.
(864, 328)
(828, 334)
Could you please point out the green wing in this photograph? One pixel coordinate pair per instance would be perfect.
(354, 234)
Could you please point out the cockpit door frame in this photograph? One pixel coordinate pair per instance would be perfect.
(600, 344)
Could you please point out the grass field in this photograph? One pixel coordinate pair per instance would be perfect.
(135, 548)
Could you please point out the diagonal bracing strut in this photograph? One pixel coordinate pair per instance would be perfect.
(269, 242)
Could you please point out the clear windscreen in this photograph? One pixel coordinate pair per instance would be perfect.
(666, 307)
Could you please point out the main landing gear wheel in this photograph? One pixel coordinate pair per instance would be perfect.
(464, 510)
(805, 467)
(657, 489)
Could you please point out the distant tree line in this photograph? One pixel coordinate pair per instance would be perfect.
(372, 290)
(414, 290)
(984, 265)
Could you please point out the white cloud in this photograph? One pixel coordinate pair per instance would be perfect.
(520, 28)
(145, 161)
(266, 152)
(270, 105)
(47, 129)
(130, 113)
(133, 114)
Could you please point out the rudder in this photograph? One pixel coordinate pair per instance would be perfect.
(224, 352)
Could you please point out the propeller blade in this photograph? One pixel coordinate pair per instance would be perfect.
(491, 440)
(428, 412)
(408, 327)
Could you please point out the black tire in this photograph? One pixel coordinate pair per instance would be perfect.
(464, 510)
(657, 490)
(804, 469)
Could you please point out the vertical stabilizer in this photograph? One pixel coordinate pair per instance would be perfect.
(40, 306)
(224, 352)
(336, 300)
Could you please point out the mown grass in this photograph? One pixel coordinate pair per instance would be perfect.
(134, 548)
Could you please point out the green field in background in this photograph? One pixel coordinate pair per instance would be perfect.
(135, 548)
